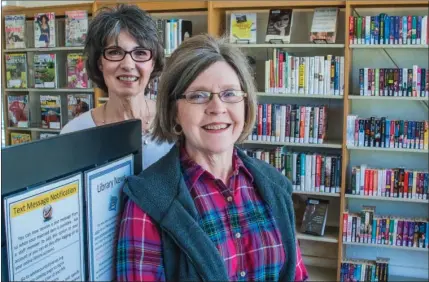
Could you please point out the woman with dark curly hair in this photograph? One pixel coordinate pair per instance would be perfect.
(123, 54)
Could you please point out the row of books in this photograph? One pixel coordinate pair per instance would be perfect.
(364, 270)
(19, 137)
(310, 172)
(173, 32)
(318, 75)
(366, 227)
(290, 123)
(385, 29)
(45, 71)
(243, 26)
(387, 133)
(76, 29)
(50, 107)
(391, 182)
(404, 82)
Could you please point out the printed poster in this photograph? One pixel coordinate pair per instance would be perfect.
(104, 197)
(44, 230)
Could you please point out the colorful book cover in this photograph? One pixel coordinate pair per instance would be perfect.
(76, 27)
(14, 27)
(243, 28)
(44, 30)
(324, 26)
(18, 111)
(45, 71)
(18, 138)
(279, 26)
(76, 72)
(50, 111)
(16, 70)
(77, 104)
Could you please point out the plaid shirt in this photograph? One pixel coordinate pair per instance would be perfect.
(234, 217)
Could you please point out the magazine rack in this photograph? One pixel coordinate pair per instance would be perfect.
(53, 158)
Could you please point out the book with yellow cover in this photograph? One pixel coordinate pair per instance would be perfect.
(18, 138)
(243, 28)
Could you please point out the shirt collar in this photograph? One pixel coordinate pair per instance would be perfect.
(193, 171)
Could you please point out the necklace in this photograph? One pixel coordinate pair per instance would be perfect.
(145, 121)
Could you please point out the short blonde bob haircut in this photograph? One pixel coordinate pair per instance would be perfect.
(187, 62)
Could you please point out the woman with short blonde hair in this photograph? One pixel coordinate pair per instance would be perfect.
(207, 211)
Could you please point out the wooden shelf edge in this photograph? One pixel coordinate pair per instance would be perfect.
(393, 150)
(275, 4)
(333, 145)
(50, 49)
(75, 90)
(379, 198)
(313, 96)
(390, 98)
(298, 192)
(32, 129)
(387, 246)
(290, 45)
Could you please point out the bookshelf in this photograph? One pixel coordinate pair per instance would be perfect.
(322, 255)
(406, 263)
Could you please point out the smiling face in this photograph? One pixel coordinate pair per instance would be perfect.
(126, 77)
(212, 128)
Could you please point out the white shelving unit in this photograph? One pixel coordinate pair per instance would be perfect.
(52, 49)
(324, 194)
(34, 129)
(314, 96)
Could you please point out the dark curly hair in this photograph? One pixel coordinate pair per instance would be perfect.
(108, 24)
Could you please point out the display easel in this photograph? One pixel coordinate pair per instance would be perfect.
(42, 161)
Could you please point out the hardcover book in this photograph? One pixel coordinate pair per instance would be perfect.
(18, 110)
(45, 71)
(50, 107)
(14, 26)
(324, 26)
(315, 215)
(44, 30)
(243, 28)
(279, 26)
(76, 72)
(76, 27)
(16, 70)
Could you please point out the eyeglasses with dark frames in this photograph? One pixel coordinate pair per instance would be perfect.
(203, 97)
(116, 54)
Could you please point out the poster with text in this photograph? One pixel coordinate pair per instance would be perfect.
(104, 197)
(44, 229)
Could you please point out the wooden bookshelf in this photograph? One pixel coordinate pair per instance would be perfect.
(215, 12)
(379, 56)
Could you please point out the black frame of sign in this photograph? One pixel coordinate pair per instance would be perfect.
(31, 164)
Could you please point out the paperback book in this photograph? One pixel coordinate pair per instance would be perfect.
(279, 26)
(76, 27)
(324, 26)
(243, 28)
(315, 216)
(14, 26)
(16, 70)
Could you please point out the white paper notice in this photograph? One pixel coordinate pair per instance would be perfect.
(104, 197)
(44, 228)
